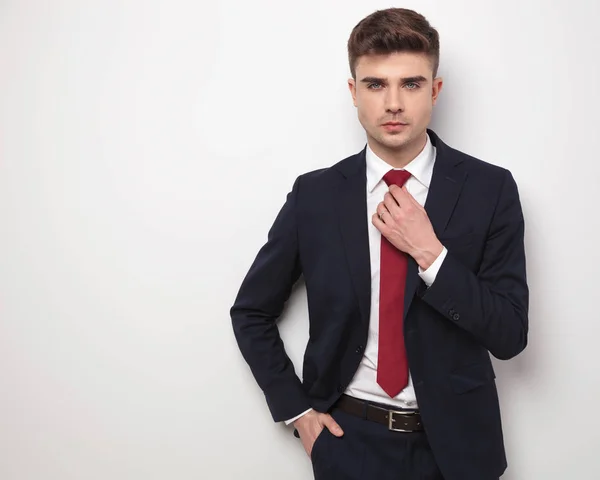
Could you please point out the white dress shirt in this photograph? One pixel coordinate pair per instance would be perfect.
(364, 383)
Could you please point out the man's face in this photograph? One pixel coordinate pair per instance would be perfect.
(397, 88)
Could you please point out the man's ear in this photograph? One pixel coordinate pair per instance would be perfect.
(438, 83)
(352, 87)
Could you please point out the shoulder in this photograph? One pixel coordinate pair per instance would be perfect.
(477, 165)
(488, 176)
(332, 174)
(486, 184)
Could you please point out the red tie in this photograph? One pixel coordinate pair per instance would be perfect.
(392, 365)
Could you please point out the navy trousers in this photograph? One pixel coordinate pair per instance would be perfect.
(370, 451)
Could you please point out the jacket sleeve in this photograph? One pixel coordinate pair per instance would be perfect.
(493, 304)
(259, 303)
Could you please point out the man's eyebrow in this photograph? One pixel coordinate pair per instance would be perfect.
(415, 79)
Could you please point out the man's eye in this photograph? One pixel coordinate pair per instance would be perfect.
(412, 85)
(372, 85)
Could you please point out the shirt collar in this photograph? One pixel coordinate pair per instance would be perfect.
(421, 167)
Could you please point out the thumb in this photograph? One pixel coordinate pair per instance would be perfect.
(332, 425)
(413, 199)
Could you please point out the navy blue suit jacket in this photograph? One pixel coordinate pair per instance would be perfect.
(477, 305)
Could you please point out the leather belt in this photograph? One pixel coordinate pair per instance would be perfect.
(395, 420)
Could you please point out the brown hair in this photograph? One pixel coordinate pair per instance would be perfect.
(393, 30)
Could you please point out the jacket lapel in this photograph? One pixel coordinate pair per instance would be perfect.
(446, 184)
(351, 204)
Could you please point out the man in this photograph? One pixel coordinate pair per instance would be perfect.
(413, 258)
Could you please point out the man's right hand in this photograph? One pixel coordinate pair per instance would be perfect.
(310, 426)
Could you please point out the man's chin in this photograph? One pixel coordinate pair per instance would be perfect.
(395, 142)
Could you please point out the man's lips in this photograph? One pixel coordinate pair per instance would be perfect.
(394, 126)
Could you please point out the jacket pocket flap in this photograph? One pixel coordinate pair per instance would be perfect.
(469, 377)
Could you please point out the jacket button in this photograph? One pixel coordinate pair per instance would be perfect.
(456, 316)
(451, 312)
(359, 349)
(340, 388)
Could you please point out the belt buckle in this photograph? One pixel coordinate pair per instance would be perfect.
(391, 420)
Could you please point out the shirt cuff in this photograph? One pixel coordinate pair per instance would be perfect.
(428, 276)
(287, 422)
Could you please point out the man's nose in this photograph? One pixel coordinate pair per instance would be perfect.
(394, 102)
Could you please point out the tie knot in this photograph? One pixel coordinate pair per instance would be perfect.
(396, 177)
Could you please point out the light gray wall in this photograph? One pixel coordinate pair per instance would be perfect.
(145, 148)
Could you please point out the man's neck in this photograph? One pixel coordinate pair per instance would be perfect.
(401, 157)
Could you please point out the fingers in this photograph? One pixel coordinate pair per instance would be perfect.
(332, 425)
(401, 194)
(405, 196)
(404, 199)
(379, 223)
(398, 194)
(390, 202)
(310, 430)
(381, 210)
(387, 211)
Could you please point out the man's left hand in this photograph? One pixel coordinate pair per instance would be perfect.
(405, 223)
